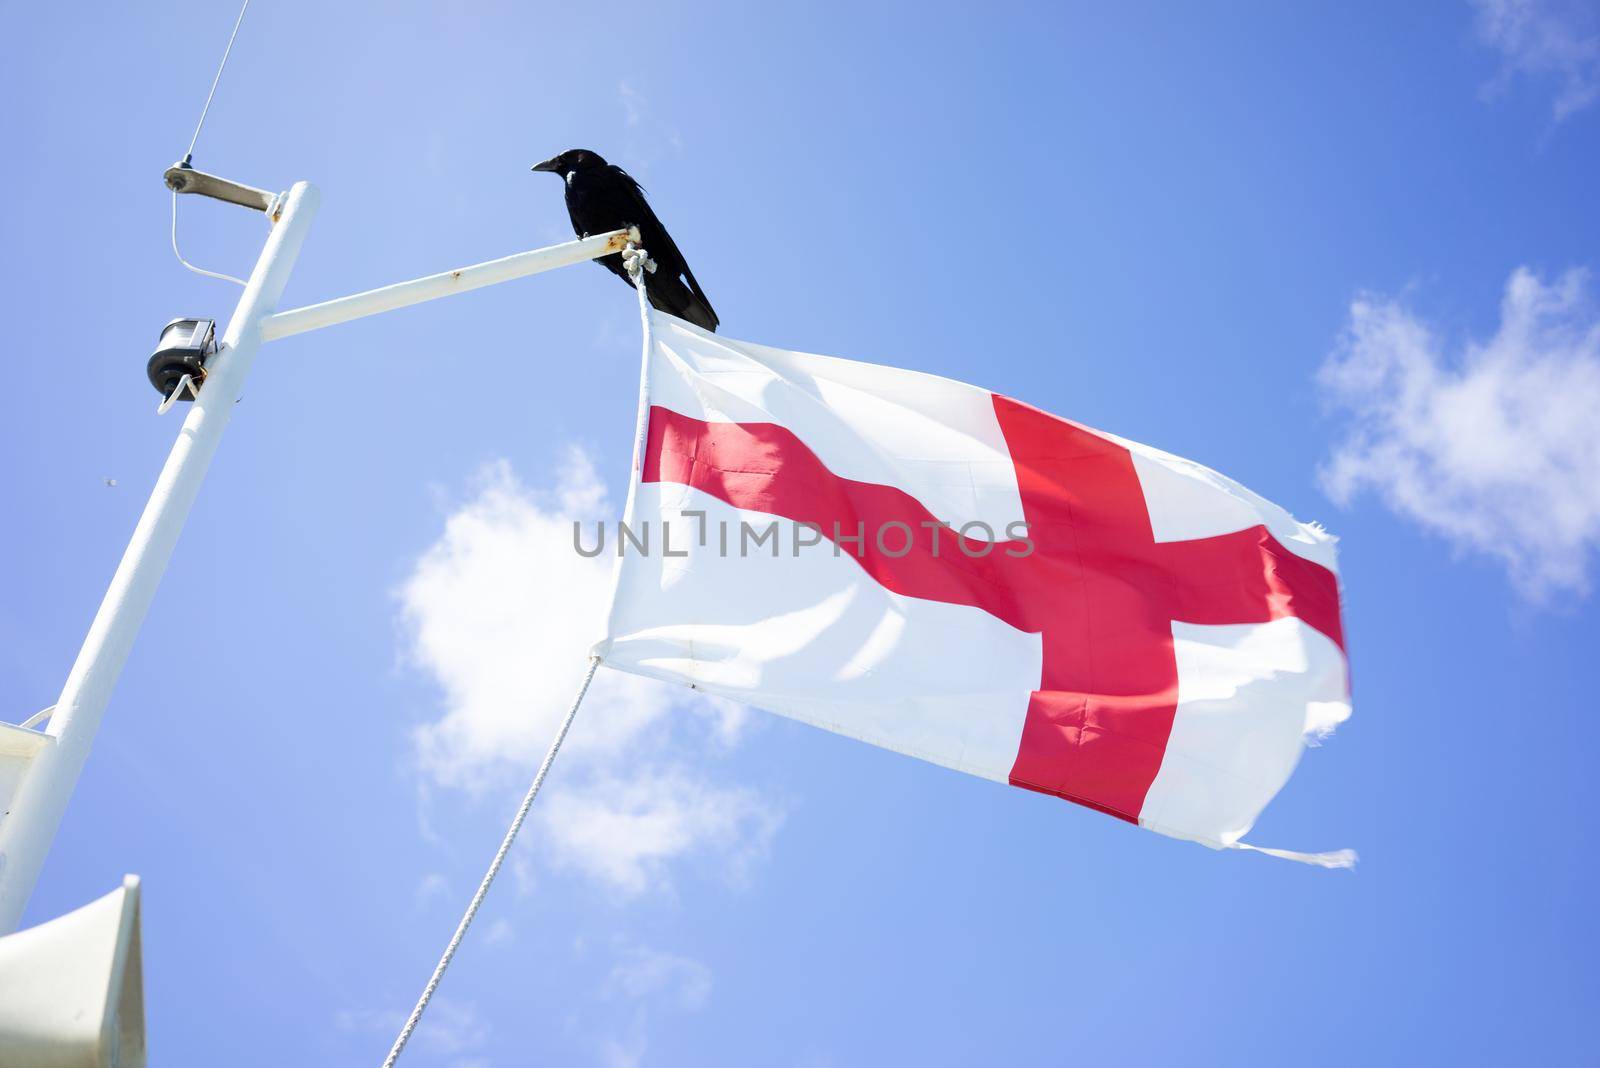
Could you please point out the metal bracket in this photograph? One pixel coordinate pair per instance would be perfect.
(460, 280)
(182, 178)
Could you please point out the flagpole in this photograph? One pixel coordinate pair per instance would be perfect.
(35, 812)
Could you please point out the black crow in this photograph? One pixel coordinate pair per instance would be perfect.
(602, 197)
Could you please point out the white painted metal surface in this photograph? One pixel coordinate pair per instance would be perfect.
(19, 746)
(72, 989)
(39, 770)
(444, 284)
(30, 824)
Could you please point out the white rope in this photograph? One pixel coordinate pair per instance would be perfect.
(637, 261)
(633, 258)
(494, 869)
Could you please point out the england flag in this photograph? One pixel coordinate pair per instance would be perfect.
(955, 575)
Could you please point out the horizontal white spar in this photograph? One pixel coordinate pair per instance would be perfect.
(444, 284)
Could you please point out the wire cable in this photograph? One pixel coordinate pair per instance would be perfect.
(186, 263)
(189, 155)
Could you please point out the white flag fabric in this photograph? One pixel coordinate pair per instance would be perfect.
(945, 572)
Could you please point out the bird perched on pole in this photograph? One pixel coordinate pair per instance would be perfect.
(602, 197)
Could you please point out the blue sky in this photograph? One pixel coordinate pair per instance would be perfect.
(1327, 250)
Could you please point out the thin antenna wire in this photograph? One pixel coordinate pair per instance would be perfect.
(220, 68)
(189, 155)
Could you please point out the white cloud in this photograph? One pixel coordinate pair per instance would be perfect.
(617, 1053)
(449, 1027)
(646, 135)
(499, 933)
(501, 612)
(1557, 39)
(642, 973)
(1498, 448)
(430, 887)
(623, 831)
(650, 982)
(633, 106)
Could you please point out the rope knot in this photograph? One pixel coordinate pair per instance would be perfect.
(636, 259)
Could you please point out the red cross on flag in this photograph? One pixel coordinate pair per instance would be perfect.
(952, 574)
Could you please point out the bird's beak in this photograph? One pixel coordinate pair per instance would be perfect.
(549, 165)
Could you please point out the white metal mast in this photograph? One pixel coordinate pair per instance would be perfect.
(34, 814)
(41, 770)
